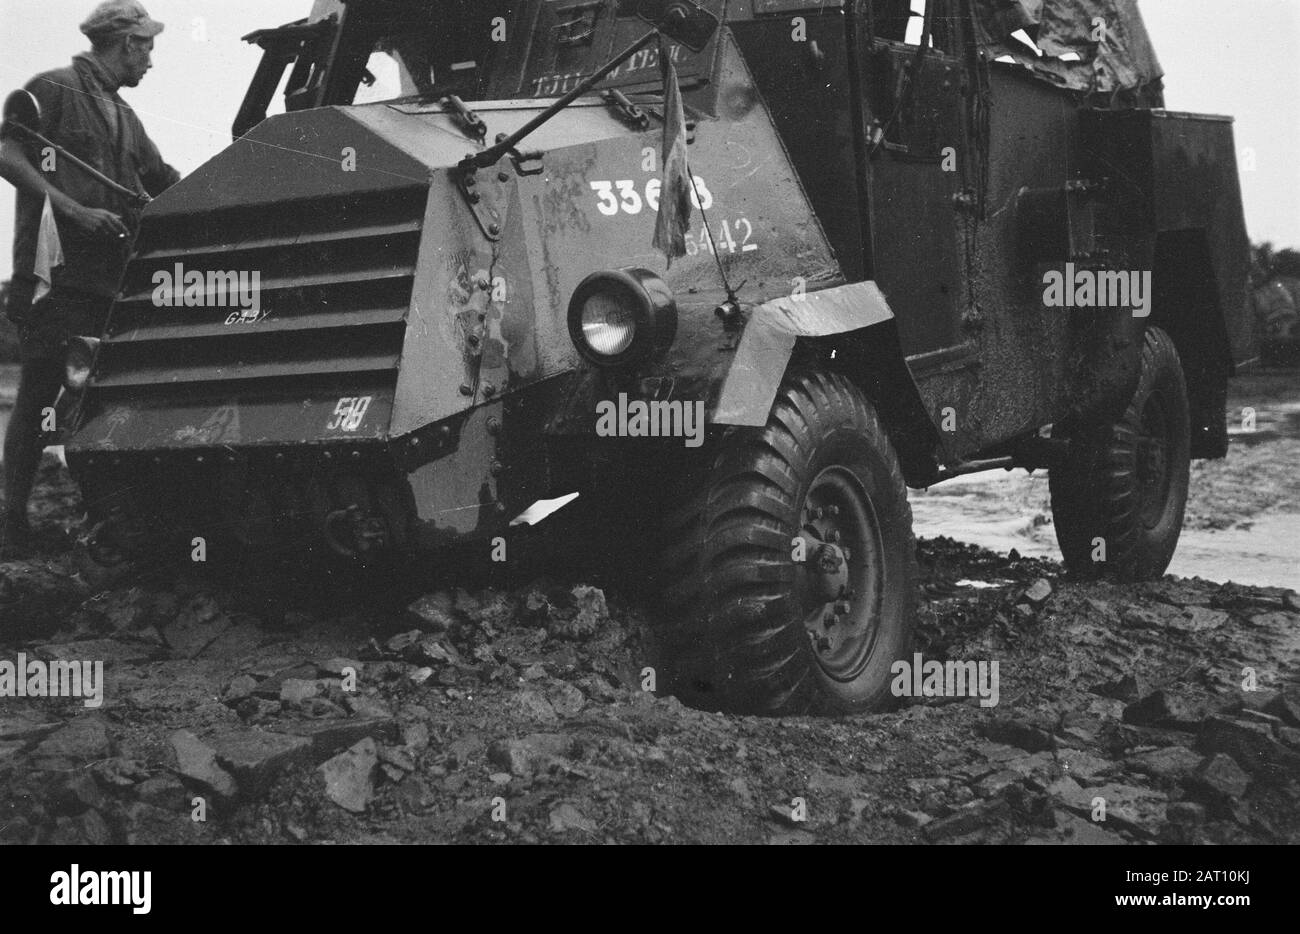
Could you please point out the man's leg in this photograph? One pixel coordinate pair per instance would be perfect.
(38, 390)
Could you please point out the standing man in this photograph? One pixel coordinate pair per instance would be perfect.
(80, 111)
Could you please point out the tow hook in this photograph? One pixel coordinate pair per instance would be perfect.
(352, 532)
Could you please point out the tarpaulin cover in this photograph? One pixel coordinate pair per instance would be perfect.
(1123, 61)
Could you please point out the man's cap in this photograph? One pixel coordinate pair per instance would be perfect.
(120, 18)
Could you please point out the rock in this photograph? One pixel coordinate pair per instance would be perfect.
(328, 737)
(993, 785)
(533, 705)
(511, 755)
(966, 820)
(915, 820)
(565, 699)
(433, 612)
(1076, 831)
(108, 651)
(255, 757)
(197, 761)
(294, 691)
(197, 626)
(1181, 619)
(240, 687)
(399, 643)
(1172, 763)
(1251, 744)
(415, 736)
(321, 708)
(84, 739)
(1254, 700)
(1258, 716)
(1290, 736)
(421, 675)
(393, 756)
(1219, 777)
(87, 828)
(239, 639)
(1039, 769)
(270, 686)
(536, 751)
(350, 776)
(1103, 609)
(463, 750)
(365, 705)
(1127, 688)
(433, 651)
(1140, 809)
(1286, 707)
(75, 794)
(1083, 766)
(163, 791)
(1185, 813)
(1017, 733)
(337, 667)
(791, 838)
(1038, 592)
(26, 726)
(119, 772)
(589, 611)
(566, 817)
(1160, 708)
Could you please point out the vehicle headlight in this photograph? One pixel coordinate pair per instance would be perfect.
(80, 358)
(622, 316)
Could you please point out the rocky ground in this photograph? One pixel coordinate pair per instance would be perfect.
(520, 714)
(278, 713)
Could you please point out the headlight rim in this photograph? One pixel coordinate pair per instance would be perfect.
(654, 314)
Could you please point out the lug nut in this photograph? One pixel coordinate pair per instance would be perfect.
(466, 389)
(493, 425)
(494, 229)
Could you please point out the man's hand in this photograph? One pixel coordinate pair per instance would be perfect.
(96, 222)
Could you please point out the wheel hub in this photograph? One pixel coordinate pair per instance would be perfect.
(841, 583)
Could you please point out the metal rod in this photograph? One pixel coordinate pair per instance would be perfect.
(89, 169)
(493, 153)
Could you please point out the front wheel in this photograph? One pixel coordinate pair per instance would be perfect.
(1119, 499)
(789, 568)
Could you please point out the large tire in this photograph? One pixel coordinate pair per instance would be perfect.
(1124, 484)
(746, 629)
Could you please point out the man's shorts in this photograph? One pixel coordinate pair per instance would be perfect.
(44, 329)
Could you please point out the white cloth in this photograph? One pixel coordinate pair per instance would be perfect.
(49, 252)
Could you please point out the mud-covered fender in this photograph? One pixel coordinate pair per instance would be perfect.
(736, 368)
(769, 340)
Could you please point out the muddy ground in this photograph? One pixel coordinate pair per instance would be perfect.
(517, 713)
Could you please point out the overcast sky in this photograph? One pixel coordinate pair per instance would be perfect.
(1240, 58)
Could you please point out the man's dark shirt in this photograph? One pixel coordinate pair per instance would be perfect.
(93, 123)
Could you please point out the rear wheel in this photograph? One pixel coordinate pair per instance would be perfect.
(1119, 499)
(790, 567)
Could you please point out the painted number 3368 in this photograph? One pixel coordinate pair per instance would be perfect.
(611, 197)
(349, 413)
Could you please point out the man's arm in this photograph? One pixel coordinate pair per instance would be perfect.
(19, 172)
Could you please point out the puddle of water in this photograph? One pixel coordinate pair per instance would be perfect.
(1016, 513)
